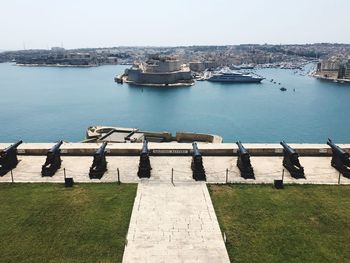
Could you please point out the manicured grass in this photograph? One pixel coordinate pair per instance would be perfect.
(298, 224)
(51, 223)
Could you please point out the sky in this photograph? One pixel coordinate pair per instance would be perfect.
(106, 23)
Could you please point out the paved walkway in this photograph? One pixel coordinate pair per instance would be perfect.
(318, 170)
(174, 224)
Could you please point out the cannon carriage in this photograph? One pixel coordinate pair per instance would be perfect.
(340, 159)
(198, 172)
(8, 158)
(291, 161)
(243, 162)
(144, 164)
(99, 164)
(53, 160)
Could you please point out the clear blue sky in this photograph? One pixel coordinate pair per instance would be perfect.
(104, 23)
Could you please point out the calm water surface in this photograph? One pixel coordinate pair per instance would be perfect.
(40, 104)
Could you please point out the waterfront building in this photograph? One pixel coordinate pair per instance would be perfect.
(334, 68)
(329, 68)
(347, 70)
(161, 71)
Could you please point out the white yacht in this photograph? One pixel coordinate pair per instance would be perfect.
(234, 77)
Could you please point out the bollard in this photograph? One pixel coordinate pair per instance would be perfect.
(278, 184)
(12, 176)
(339, 178)
(226, 176)
(118, 176)
(68, 182)
(172, 176)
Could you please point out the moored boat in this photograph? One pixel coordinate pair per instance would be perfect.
(234, 77)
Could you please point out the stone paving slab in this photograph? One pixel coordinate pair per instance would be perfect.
(317, 170)
(174, 224)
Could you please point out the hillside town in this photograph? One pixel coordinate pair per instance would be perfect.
(244, 54)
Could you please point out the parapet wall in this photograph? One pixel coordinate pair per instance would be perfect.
(170, 149)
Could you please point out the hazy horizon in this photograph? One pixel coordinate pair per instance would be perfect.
(168, 46)
(41, 24)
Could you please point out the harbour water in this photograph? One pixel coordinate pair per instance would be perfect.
(45, 104)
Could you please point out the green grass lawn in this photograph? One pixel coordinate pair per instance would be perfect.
(298, 224)
(51, 223)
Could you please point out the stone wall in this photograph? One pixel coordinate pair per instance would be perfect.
(209, 149)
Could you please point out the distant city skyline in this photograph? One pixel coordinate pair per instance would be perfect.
(108, 23)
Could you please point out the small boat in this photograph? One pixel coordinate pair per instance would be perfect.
(283, 89)
(119, 79)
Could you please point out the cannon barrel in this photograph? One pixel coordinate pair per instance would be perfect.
(335, 147)
(13, 146)
(53, 160)
(144, 164)
(291, 161)
(101, 150)
(198, 172)
(287, 148)
(243, 162)
(196, 152)
(8, 158)
(99, 164)
(340, 159)
(56, 147)
(144, 150)
(241, 149)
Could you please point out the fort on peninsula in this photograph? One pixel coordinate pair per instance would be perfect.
(159, 71)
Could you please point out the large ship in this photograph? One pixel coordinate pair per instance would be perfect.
(234, 77)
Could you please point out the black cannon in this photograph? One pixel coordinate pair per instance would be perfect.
(8, 158)
(198, 172)
(291, 161)
(53, 160)
(340, 159)
(243, 162)
(99, 164)
(144, 165)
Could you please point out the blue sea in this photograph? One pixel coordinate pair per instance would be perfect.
(46, 104)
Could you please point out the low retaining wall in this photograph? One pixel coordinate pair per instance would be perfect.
(170, 149)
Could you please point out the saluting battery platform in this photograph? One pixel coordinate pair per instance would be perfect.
(215, 163)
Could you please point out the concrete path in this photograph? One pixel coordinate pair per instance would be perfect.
(174, 224)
